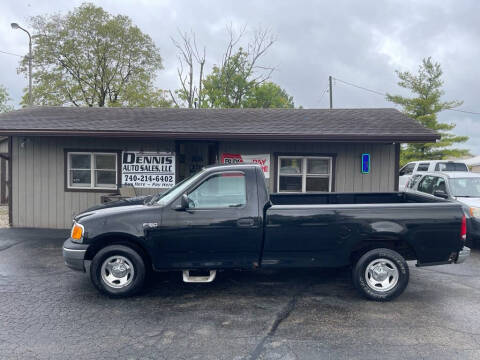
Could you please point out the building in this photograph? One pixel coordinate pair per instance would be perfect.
(473, 163)
(64, 159)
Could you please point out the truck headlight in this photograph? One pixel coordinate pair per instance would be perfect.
(77, 233)
(475, 212)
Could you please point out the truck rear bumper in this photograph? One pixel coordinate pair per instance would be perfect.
(74, 255)
(462, 255)
(456, 258)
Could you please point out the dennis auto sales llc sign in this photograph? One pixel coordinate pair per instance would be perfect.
(148, 169)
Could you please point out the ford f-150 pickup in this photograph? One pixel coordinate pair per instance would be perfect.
(224, 218)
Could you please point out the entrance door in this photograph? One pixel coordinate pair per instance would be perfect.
(193, 156)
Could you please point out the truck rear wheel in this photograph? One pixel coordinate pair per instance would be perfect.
(381, 274)
(118, 271)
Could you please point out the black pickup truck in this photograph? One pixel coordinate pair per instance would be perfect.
(224, 218)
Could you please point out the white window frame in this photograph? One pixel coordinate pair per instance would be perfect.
(304, 172)
(92, 170)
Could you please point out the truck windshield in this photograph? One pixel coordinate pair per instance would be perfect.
(465, 187)
(178, 189)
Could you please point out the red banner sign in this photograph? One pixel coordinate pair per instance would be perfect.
(263, 160)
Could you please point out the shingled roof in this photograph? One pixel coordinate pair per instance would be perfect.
(258, 124)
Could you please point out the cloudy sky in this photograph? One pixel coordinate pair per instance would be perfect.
(362, 42)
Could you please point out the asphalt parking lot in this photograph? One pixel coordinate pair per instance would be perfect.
(50, 312)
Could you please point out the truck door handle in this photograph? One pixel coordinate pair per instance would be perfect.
(247, 222)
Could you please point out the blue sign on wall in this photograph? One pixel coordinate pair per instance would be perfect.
(365, 163)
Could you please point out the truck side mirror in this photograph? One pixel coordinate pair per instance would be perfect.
(184, 203)
(441, 194)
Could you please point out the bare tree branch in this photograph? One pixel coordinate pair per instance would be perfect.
(189, 57)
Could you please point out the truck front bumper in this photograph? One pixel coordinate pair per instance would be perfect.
(462, 255)
(74, 255)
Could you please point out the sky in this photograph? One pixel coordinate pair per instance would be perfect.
(361, 42)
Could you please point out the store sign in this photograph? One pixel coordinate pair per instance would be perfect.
(148, 169)
(262, 160)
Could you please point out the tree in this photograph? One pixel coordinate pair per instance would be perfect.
(4, 100)
(427, 86)
(233, 81)
(89, 57)
(191, 60)
(269, 95)
(239, 80)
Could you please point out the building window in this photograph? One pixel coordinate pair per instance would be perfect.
(304, 174)
(91, 170)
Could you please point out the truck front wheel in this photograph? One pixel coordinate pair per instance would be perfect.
(118, 271)
(381, 274)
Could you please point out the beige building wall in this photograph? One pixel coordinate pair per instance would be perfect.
(39, 198)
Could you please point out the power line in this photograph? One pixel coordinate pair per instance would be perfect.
(323, 94)
(385, 94)
(464, 111)
(360, 87)
(9, 53)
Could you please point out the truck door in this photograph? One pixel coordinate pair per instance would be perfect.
(404, 175)
(220, 228)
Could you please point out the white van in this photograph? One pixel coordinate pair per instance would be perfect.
(413, 167)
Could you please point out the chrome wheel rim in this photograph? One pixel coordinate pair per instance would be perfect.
(117, 271)
(381, 275)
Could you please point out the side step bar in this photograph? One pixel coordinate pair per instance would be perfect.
(199, 279)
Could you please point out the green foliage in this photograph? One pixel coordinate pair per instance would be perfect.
(4, 100)
(269, 95)
(427, 86)
(89, 57)
(234, 86)
(227, 86)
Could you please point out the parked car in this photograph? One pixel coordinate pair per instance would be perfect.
(414, 167)
(223, 218)
(461, 187)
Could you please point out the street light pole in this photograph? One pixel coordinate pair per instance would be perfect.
(16, 26)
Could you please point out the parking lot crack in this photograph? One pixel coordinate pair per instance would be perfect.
(8, 245)
(281, 316)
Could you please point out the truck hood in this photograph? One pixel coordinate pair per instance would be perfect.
(123, 202)
(108, 211)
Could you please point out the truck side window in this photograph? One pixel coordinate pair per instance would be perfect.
(407, 169)
(439, 185)
(426, 185)
(451, 166)
(223, 190)
(423, 166)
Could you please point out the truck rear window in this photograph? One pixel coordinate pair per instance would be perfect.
(451, 166)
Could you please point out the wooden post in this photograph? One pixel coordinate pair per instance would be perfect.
(3, 181)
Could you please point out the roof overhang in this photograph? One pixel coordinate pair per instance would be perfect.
(399, 138)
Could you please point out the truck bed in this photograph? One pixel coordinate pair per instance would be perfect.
(329, 226)
(350, 198)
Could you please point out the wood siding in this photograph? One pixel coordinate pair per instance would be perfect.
(38, 195)
(348, 175)
(38, 175)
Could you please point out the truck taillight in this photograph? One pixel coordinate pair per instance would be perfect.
(463, 229)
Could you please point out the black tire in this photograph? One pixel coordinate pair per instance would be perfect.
(133, 259)
(369, 290)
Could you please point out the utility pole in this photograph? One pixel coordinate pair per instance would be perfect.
(16, 26)
(330, 91)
